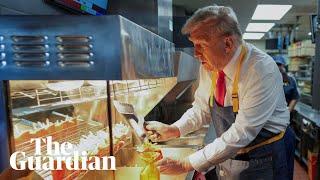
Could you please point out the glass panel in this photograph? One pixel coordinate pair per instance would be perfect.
(76, 112)
(68, 111)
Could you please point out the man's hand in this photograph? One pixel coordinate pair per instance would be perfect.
(174, 167)
(157, 131)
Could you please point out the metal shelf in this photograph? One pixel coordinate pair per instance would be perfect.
(308, 113)
(18, 112)
(306, 70)
(304, 56)
(304, 78)
(305, 94)
(47, 100)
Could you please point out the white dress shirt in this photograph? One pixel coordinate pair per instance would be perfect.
(261, 105)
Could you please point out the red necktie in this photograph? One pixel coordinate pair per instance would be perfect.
(198, 176)
(220, 88)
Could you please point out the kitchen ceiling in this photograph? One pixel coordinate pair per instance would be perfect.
(245, 8)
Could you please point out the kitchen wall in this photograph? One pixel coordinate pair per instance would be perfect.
(153, 15)
(260, 44)
(25, 7)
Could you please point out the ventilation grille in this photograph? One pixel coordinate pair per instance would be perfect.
(2, 53)
(74, 51)
(30, 51)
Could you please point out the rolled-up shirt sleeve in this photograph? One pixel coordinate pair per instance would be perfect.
(256, 107)
(199, 115)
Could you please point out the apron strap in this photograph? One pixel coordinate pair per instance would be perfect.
(268, 141)
(235, 89)
(213, 86)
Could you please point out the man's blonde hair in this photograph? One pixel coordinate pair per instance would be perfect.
(225, 20)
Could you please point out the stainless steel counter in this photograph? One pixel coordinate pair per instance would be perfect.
(309, 113)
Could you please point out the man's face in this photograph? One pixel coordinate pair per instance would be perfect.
(209, 49)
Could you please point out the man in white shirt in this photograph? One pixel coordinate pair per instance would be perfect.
(241, 92)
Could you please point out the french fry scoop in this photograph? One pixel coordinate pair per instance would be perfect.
(137, 124)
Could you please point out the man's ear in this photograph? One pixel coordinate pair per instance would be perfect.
(229, 44)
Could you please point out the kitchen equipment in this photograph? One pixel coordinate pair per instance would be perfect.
(132, 65)
(56, 49)
(128, 111)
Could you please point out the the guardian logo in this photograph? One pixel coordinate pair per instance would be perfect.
(58, 156)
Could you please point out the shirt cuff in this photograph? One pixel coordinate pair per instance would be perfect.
(199, 162)
(182, 127)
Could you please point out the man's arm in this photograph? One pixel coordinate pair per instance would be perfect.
(199, 115)
(295, 95)
(292, 104)
(191, 120)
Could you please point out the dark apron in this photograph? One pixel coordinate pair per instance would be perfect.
(272, 161)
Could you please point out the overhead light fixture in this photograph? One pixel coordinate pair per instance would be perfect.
(252, 36)
(270, 11)
(259, 27)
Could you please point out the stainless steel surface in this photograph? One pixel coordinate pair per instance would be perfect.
(87, 48)
(81, 47)
(186, 66)
(196, 141)
(309, 113)
(186, 71)
(145, 55)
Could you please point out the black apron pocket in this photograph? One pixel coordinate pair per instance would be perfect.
(259, 169)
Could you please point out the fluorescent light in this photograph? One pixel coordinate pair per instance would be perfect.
(252, 35)
(270, 11)
(259, 27)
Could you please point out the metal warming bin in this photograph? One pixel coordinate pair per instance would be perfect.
(60, 75)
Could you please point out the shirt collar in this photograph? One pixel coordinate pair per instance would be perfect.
(230, 68)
